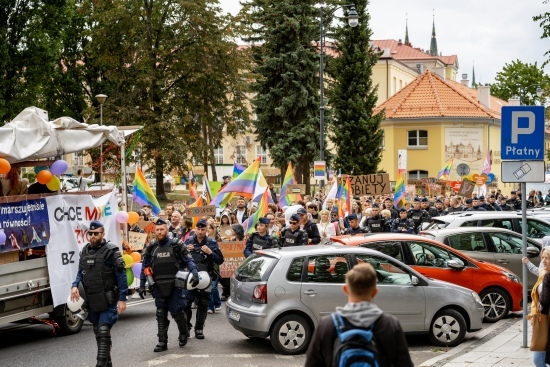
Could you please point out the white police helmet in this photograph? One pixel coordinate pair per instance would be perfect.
(204, 280)
(184, 279)
(75, 306)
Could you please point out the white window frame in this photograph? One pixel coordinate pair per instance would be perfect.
(218, 155)
(417, 174)
(240, 154)
(418, 139)
(261, 152)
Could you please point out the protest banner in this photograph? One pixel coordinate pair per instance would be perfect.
(25, 224)
(376, 184)
(201, 211)
(296, 189)
(467, 188)
(233, 257)
(137, 240)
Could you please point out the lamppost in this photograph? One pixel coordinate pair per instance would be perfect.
(353, 21)
(101, 99)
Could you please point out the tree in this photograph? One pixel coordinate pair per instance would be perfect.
(286, 103)
(522, 80)
(354, 130)
(544, 23)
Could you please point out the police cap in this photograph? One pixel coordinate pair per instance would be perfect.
(301, 210)
(95, 224)
(202, 223)
(161, 222)
(402, 210)
(468, 201)
(416, 200)
(482, 197)
(264, 220)
(513, 192)
(475, 198)
(424, 200)
(438, 201)
(352, 216)
(225, 177)
(375, 206)
(295, 217)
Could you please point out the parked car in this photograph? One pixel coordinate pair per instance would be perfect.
(495, 245)
(500, 290)
(152, 181)
(537, 227)
(284, 293)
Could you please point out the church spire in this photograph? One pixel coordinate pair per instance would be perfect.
(473, 76)
(433, 44)
(407, 42)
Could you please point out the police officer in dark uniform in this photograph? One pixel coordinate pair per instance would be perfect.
(440, 208)
(293, 235)
(504, 205)
(402, 224)
(165, 256)
(206, 253)
(514, 202)
(417, 214)
(425, 205)
(261, 239)
(377, 222)
(485, 205)
(103, 276)
(475, 206)
(354, 227)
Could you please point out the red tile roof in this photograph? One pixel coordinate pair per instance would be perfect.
(401, 51)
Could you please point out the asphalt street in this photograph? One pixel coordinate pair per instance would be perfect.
(134, 337)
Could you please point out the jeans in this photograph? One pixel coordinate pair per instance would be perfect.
(214, 301)
(538, 359)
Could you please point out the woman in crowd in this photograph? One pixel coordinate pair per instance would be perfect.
(357, 209)
(541, 302)
(273, 229)
(327, 228)
(187, 230)
(13, 185)
(215, 303)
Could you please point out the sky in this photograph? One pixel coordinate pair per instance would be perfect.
(485, 34)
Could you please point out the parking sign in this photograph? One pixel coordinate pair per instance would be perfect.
(522, 133)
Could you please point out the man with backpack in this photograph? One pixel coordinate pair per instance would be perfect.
(377, 338)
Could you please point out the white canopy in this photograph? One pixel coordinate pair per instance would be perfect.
(31, 136)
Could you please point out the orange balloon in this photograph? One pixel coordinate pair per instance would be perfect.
(133, 218)
(5, 166)
(44, 177)
(136, 256)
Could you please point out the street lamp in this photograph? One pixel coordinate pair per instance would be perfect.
(353, 21)
(100, 98)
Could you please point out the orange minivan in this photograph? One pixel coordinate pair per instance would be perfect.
(500, 290)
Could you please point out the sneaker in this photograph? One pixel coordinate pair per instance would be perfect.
(224, 298)
(218, 309)
(210, 311)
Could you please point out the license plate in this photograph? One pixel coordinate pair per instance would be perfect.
(234, 315)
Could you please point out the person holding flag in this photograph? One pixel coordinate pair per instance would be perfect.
(260, 239)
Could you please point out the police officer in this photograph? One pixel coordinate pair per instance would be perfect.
(261, 239)
(440, 208)
(504, 205)
(293, 235)
(376, 223)
(103, 276)
(475, 206)
(485, 205)
(354, 227)
(206, 254)
(514, 202)
(425, 205)
(165, 256)
(417, 214)
(491, 201)
(402, 224)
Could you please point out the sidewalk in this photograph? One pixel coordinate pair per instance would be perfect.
(498, 345)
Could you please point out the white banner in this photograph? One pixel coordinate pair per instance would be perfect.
(70, 217)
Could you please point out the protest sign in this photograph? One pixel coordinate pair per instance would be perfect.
(233, 257)
(25, 224)
(376, 184)
(467, 188)
(137, 240)
(201, 211)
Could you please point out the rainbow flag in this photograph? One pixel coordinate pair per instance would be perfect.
(199, 202)
(343, 195)
(286, 199)
(399, 194)
(237, 170)
(446, 170)
(260, 212)
(243, 185)
(143, 194)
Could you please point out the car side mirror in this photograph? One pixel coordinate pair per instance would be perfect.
(532, 252)
(455, 265)
(414, 280)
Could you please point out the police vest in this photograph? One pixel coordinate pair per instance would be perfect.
(203, 261)
(98, 279)
(258, 243)
(290, 239)
(403, 224)
(165, 266)
(416, 216)
(375, 225)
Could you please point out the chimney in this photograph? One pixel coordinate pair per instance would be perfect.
(484, 95)
(465, 80)
(513, 102)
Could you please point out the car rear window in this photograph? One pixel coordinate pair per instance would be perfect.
(436, 224)
(255, 268)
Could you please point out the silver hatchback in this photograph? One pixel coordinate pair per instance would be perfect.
(284, 293)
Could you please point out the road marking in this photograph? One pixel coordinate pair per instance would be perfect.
(165, 359)
(140, 302)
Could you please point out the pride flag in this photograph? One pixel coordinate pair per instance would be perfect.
(243, 185)
(286, 199)
(261, 211)
(343, 195)
(399, 195)
(143, 194)
(237, 170)
(446, 170)
(199, 202)
(487, 163)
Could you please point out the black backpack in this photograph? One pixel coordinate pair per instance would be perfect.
(354, 346)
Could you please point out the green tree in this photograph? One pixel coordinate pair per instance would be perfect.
(522, 80)
(286, 101)
(355, 131)
(544, 23)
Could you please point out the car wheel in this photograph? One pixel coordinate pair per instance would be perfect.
(448, 328)
(496, 303)
(290, 335)
(70, 323)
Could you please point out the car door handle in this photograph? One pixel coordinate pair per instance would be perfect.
(310, 292)
(502, 261)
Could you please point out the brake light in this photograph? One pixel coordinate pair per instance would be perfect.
(260, 293)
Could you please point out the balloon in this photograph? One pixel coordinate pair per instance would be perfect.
(136, 256)
(44, 177)
(54, 183)
(491, 176)
(129, 276)
(59, 167)
(122, 217)
(133, 218)
(128, 261)
(2, 237)
(5, 166)
(136, 269)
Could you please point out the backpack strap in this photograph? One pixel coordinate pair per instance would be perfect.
(339, 324)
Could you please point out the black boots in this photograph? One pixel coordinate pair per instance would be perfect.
(162, 322)
(181, 321)
(202, 312)
(103, 338)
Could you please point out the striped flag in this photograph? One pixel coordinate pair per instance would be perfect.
(261, 211)
(143, 194)
(286, 199)
(446, 170)
(399, 195)
(243, 185)
(343, 195)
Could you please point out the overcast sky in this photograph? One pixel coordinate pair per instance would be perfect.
(487, 33)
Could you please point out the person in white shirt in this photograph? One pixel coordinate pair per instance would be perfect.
(83, 181)
(326, 227)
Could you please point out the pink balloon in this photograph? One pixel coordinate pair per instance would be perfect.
(122, 217)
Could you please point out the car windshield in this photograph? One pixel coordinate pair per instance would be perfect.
(254, 268)
(435, 224)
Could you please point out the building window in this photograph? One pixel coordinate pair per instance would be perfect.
(240, 154)
(418, 138)
(78, 159)
(417, 175)
(394, 85)
(218, 155)
(262, 153)
(400, 84)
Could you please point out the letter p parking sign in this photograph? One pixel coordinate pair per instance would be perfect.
(522, 133)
